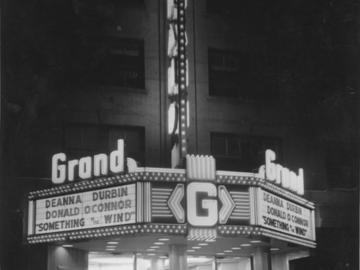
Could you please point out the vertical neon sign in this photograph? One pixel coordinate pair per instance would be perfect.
(178, 110)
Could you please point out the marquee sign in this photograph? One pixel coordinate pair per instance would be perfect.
(87, 167)
(84, 210)
(282, 215)
(281, 175)
(199, 202)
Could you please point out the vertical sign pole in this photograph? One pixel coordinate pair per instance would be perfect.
(182, 73)
(177, 81)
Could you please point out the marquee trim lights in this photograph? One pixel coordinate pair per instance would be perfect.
(242, 207)
(143, 174)
(225, 230)
(287, 238)
(178, 110)
(228, 204)
(202, 234)
(236, 203)
(143, 202)
(256, 231)
(200, 167)
(159, 202)
(174, 203)
(167, 175)
(139, 229)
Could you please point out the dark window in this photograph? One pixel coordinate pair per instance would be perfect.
(82, 140)
(227, 73)
(243, 75)
(242, 152)
(225, 7)
(104, 8)
(342, 164)
(119, 62)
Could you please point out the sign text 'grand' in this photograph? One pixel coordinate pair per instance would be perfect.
(281, 175)
(87, 167)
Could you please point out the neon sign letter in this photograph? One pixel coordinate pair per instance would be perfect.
(203, 197)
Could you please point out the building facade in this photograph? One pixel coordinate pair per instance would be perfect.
(106, 73)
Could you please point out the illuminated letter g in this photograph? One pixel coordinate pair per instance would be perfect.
(202, 208)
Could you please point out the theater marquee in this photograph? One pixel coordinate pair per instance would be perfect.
(197, 202)
(282, 215)
(84, 210)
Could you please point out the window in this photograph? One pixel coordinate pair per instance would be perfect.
(243, 75)
(227, 7)
(341, 164)
(227, 73)
(119, 62)
(242, 152)
(82, 140)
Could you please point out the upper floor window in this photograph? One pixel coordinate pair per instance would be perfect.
(242, 152)
(227, 73)
(227, 7)
(82, 140)
(119, 62)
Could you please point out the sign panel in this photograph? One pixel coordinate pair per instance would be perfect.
(85, 210)
(281, 175)
(284, 216)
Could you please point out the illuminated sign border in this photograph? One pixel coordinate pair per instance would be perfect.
(97, 208)
(143, 177)
(167, 175)
(256, 206)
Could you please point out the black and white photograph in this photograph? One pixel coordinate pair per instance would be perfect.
(179, 135)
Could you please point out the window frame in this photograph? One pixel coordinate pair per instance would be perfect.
(111, 46)
(249, 140)
(108, 128)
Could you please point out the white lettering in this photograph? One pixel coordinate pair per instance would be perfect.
(202, 204)
(117, 158)
(293, 181)
(270, 168)
(85, 167)
(300, 182)
(71, 169)
(281, 175)
(97, 165)
(58, 172)
(285, 181)
(100, 165)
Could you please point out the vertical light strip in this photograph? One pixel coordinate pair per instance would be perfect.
(174, 203)
(139, 203)
(200, 167)
(227, 202)
(30, 218)
(253, 201)
(258, 200)
(242, 210)
(147, 202)
(182, 75)
(178, 119)
(313, 224)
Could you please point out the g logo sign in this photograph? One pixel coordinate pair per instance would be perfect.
(202, 206)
